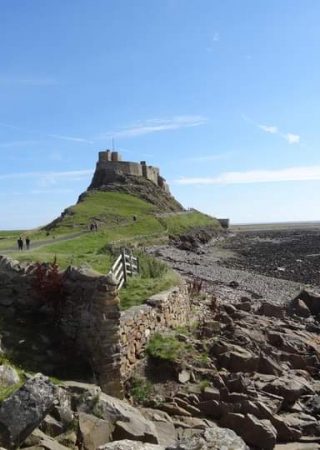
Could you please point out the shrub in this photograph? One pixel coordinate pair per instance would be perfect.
(140, 389)
(167, 348)
(48, 287)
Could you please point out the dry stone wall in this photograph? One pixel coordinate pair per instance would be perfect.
(90, 318)
(167, 309)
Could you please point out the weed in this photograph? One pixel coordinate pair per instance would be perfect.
(204, 384)
(166, 347)
(140, 389)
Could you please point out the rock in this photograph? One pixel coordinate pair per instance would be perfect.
(244, 306)
(271, 310)
(174, 410)
(229, 309)
(8, 376)
(239, 360)
(299, 308)
(210, 393)
(94, 431)
(41, 441)
(259, 433)
(285, 432)
(165, 429)
(184, 376)
(311, 299)
(268, 365)
(288, 388)
(62, 410)
(126, 444)
(128, 421)
(51, 426)
(24, 410)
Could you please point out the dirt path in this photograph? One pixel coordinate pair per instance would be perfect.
(43, 242)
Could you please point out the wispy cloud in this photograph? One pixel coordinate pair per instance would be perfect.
(303, 173)
(155, 125)
(70, 138)
(73, 175)
(53, 136)
(28, 81)
(291, 138)
(269, 128)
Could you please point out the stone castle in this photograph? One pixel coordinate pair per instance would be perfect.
(110, 166)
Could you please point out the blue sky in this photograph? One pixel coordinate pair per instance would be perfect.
(223, 96)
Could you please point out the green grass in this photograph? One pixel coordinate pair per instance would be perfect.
(72, 244)
(167, 347)
(182, 223)
(140, 389)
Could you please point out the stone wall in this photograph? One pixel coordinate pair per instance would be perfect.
(110, 164)
(167, 309)
(90, 316)
(91, 320)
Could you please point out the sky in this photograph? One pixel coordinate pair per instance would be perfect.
(223, 96)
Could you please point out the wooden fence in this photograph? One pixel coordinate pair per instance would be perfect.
(126, 265)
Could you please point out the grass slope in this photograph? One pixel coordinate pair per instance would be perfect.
(72, 243)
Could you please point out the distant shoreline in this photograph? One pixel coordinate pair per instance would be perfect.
(275, 226)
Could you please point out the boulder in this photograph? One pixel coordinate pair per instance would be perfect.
(311, 300)
(259, 433)
(25, 409)
(271, 310)
(8, 376)
(299, 308)
(288, 388)
(94, 431)
(239, 359)
(128, 421)
(164, 426)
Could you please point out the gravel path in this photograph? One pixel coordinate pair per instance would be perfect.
(205, 265)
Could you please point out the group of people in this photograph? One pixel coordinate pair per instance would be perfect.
(93, 226)
(21, 243)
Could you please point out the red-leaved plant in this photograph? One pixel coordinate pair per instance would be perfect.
(48, 287)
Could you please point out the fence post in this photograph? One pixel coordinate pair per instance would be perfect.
(123, 253)
(131, 268)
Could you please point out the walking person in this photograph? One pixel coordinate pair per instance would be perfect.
(27, 243)
(20, 243)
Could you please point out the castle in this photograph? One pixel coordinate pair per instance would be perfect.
(110, 166)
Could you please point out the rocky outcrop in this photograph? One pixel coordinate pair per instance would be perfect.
(24, 410)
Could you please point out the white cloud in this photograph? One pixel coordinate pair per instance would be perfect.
(155, 125)
(269, 129)
(292, 138)
(304, 173)
(70, 138)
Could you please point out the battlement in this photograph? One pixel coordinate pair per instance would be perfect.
(110, 166)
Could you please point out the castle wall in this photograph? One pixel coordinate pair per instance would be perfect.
(128, 168)
(110, 165)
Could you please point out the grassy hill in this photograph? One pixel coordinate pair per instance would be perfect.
(71, 242)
